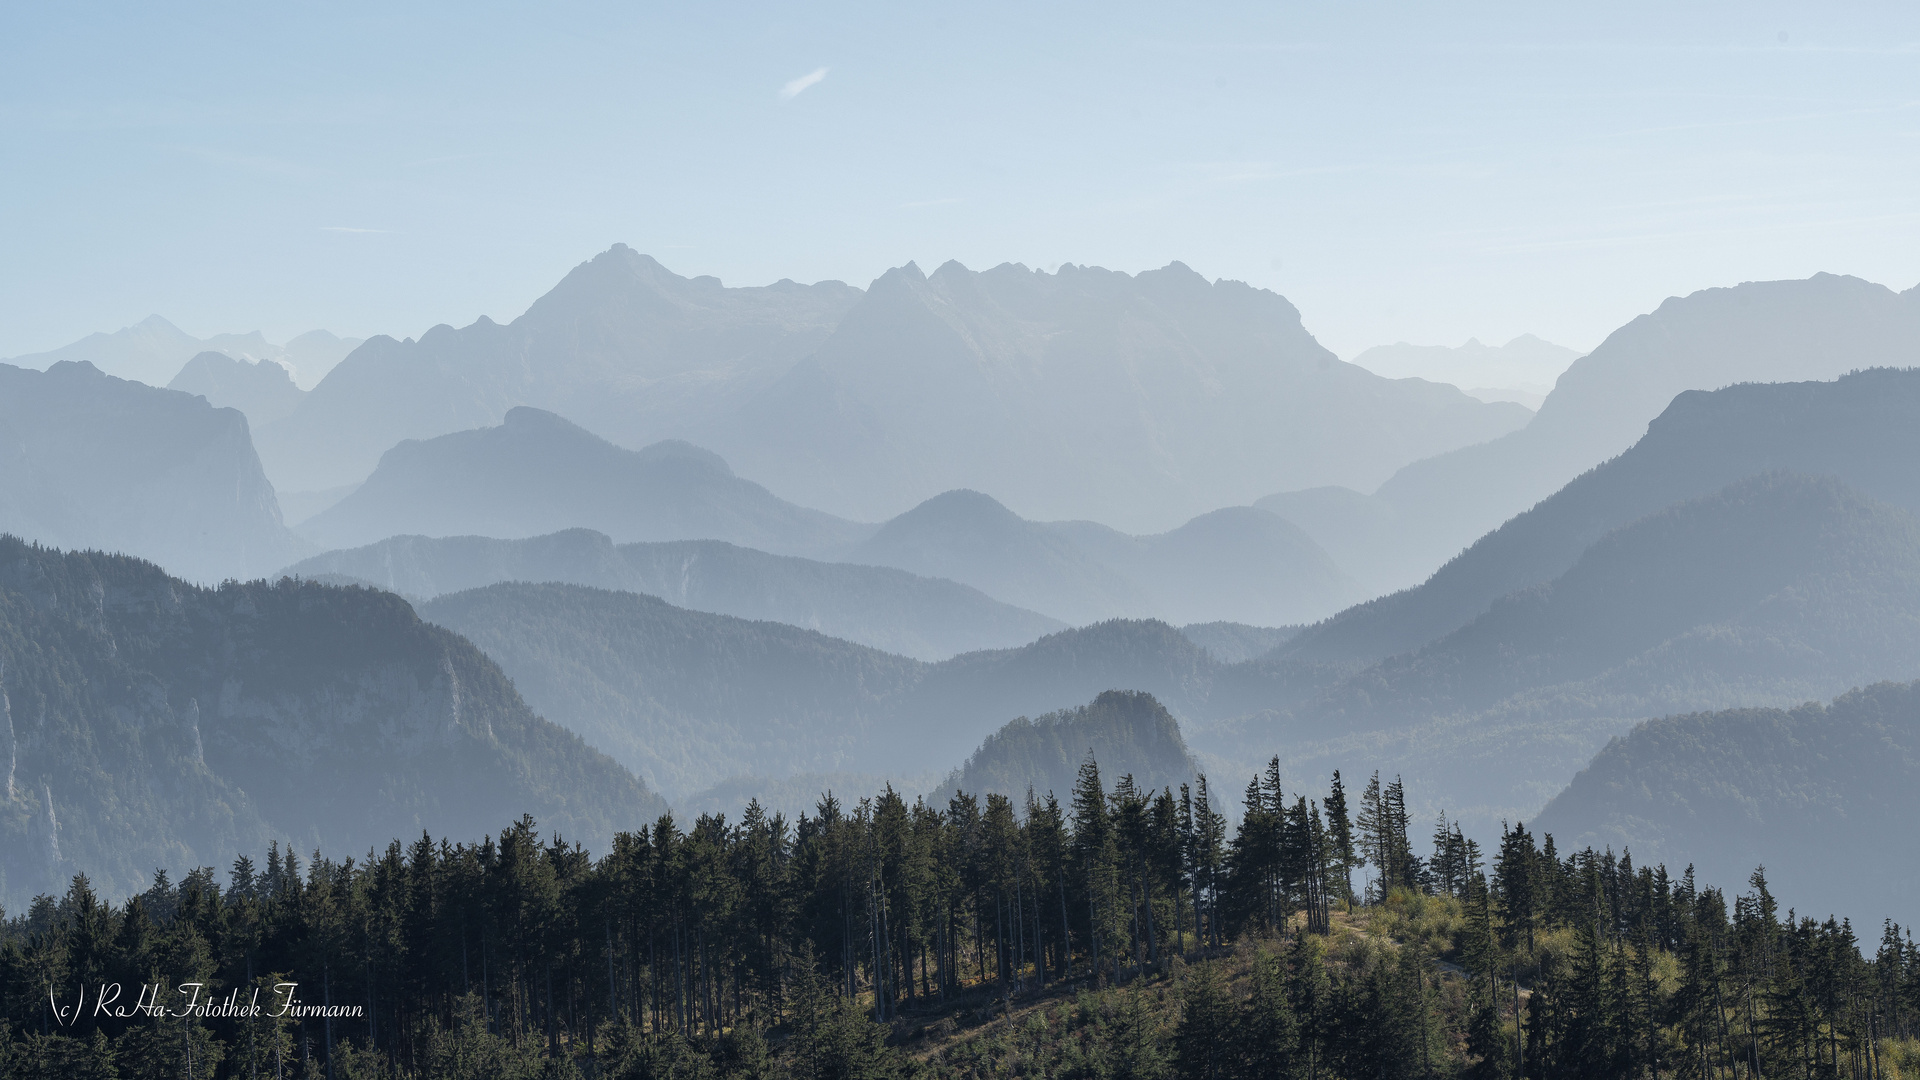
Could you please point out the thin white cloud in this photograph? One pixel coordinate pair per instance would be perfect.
(350, 229)
(793, 89)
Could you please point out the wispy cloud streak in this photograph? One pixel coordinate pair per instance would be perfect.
(797, 86)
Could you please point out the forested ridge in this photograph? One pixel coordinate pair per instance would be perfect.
(1119, 932)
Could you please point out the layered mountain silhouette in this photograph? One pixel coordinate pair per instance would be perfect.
(1138, 400)
(147, 722)
(1863, 428)
(262, 389)
(888, 609)
(536, 473)
(1824, 796)
(1125, 733)
(153, 350)
(622, 346)
(1765, 331)
(690, 699)
(1774, 590)
(1237, 565)
(91, 461)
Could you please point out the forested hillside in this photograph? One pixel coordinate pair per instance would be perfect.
(688, 699)
(1773, 591)
(885, 608)
(1116, 931)
(1127, 733)
(147, 722)
(1824, 795)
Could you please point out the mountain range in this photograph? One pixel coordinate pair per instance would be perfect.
(262, 389)
(1768, 331)
(887, 609)
(1521, 371)
(690, 700)
(1150, 398)
(153, 350)
(537, 473)
(149, 722)
(92, 461)
(1772, 591)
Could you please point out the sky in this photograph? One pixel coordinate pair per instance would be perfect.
(1400, 172)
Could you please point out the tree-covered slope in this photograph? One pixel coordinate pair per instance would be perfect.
(688, 699)
(1824, 795)
(888, 609)
(1863, 428)
(148, 722)
(537, 473)
(1127, 732)
(91, 461)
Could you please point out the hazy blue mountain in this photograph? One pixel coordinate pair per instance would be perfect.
(1522, 371)
(1778, 589)
(262, 389)
(888, 609)
(971, 538)
(1231, 643)
(153, 350)
(1138, 400)
(1824, 796)
(685, 699)
(536, 473)
(621, 346)
(1128, 733)
(1239, 564)
(1360, 533)
(147, 722)
(1764, 331)
(92, 461)
(690, 700)
(1863, 428)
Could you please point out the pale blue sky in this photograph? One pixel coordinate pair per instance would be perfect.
(1398, 171)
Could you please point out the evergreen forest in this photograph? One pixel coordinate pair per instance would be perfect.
(1124, 932)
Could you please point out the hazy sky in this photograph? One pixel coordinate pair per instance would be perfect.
(1399, 172)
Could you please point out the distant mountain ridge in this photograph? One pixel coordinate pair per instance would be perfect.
(1863, 428)
(622, 346)
(1145, 399)
(1774, 590)
(1521, 371)
(1140, 400)
(536, 473)
(92, 461)
(153, 350)
(1756, 332)
(690, 699)
(147, 722)
(262, 389)
(887, 609)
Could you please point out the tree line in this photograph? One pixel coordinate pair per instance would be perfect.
(817, 947)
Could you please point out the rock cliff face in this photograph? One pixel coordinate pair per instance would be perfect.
(172, 726)
(91, 461)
